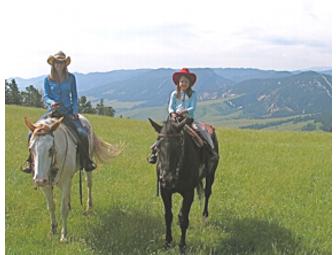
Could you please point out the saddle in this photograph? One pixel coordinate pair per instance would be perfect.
(192, 131)
(196, 138)
(209, 128)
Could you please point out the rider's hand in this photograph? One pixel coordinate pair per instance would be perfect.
(182, 113)
(55, 106)
(173, 115)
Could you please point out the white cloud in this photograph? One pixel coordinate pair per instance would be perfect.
(103, 35)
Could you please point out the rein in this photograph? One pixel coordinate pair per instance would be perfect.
(53, 157)
(58, 176)
(53, 163)
(180, 160)
(169, 135)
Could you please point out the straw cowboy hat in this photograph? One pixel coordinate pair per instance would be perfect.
(59, 56)
(184, 72)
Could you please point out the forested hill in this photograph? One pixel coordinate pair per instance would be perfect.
(253, 93)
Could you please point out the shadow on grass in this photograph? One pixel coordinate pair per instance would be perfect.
(125, 232)
(257, 236)
(133, 232)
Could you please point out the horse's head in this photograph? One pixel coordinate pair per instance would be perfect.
(170, 151)
(42, 149)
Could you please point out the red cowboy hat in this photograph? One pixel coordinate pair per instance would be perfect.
(184, 72)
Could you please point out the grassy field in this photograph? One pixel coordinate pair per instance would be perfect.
(272, 195)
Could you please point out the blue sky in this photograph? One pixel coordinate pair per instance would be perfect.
(106, 35)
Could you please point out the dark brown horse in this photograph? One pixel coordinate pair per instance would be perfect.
(181, 167)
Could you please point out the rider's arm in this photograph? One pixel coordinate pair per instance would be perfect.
(172, 103)
(193, 102)
(46, 97)
(74, 97)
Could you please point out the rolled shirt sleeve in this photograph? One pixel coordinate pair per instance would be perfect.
(47, 94)
(74, 96)
(193, 103)
(172, 103)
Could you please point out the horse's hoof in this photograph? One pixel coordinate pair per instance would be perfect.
(88, 212)
(205, 219)
(183, 249)
(53, 229)
(167, 245)
(63, 239)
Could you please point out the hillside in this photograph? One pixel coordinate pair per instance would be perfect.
(272, 196)
(224, 93)
(307, 92)
(242, 74)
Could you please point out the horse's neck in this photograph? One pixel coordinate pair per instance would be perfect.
(64, 143)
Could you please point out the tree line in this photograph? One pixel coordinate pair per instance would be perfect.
(33, 97)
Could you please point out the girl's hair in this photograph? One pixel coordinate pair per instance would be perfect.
(189, 91)
(54, 76)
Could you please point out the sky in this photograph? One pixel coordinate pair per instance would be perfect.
(106, 35)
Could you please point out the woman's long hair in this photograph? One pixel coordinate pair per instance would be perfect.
(189, 91)
(54, 76)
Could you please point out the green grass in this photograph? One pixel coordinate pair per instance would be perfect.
(272, 195)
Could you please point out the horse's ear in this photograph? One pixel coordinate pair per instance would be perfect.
(56, 124)
(156, 126)
(29, 125)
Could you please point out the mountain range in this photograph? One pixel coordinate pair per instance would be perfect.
(237, 92)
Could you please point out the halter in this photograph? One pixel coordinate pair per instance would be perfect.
(57, 177)
(169, 135)
(52, 153)
(181, 155)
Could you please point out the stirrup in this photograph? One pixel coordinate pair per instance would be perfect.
(27, 170)
(90, 166)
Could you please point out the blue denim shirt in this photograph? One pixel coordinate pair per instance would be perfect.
(184, 103)
(64, 93)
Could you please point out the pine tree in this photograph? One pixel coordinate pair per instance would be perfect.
(12, 93)
(32, 97)
(85, 105)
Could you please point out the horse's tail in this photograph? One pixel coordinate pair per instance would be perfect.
(103, 151)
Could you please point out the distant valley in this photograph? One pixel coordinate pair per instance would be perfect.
(238, 97)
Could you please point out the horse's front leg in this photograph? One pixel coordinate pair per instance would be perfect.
(65, 189)
(47, 190)
(188, 199)
(167, 201)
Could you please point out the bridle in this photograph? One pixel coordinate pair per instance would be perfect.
(52, 154)
(180, 137)
(165, 135)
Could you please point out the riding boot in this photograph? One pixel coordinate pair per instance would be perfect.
(213, 158)
(87, 163)
(29, 167)
(153, 157)
(213, 155)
